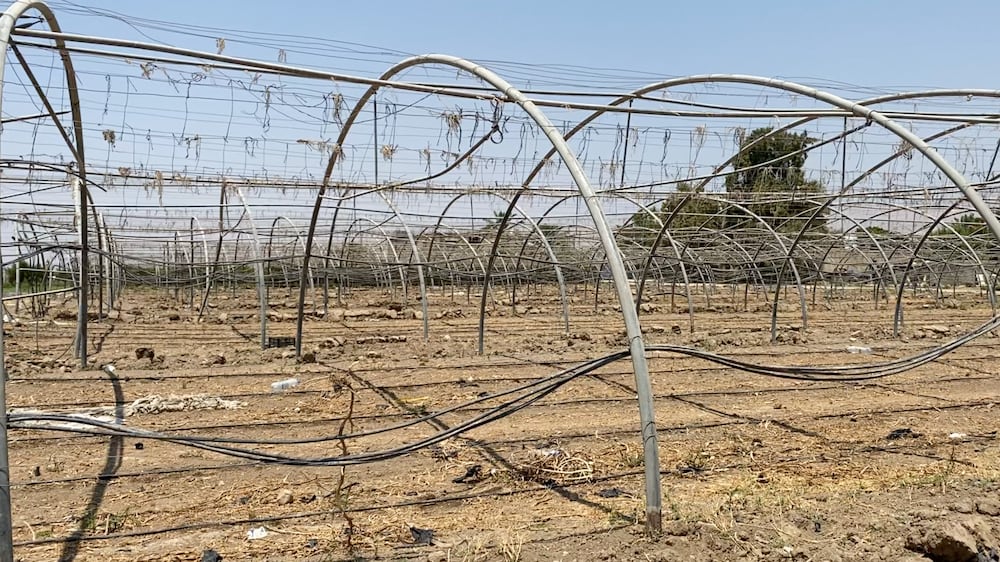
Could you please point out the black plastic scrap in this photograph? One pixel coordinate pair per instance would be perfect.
(422, 536)
(901, 433)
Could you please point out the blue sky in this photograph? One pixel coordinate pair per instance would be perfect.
(181, 121)
(893, 45)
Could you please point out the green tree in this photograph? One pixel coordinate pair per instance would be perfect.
(696, 213)
(769, 178)
(967, 225)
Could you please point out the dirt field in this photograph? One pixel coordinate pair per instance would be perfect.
(753, 468)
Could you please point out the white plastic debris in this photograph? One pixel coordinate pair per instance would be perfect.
(155, 404)
(858, 349)
(956, 436)
(256, 533)
(280, 386)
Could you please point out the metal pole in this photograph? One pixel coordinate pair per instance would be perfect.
(6, 526)
(84, 293)
(7, 22)
(637, 348)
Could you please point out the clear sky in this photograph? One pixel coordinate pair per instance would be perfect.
(885, 44)
(180, 122)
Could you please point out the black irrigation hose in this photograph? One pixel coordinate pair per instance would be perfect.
(527, 394)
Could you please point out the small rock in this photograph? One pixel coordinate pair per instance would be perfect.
(937, 329)
(308, 357)
(209, 555)
(963, 507)
(989, 507)
(215, 360)
(145, 353)
(173, 317)
(335, 341)
(676, 329)
(945, 542)
(284, 497)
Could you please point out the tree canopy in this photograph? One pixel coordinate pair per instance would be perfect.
(696, 213)
(768, 178)
(969, 224)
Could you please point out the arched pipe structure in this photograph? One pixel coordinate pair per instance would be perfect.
(310, 236)
(415, 255)
(204, 247)
(486, 286)
(213, 265)
(878, 246)
(8, 21)
(474, 255)
(678, 254)
(634, 333)
(828, 202)
(482, 310)
(859, 109)
(258, 268)
(76, 147)
(726, 206)
(351, 234)
(298, 238)
(898, 315)
(416, 259)
(560, 278)
(396, 260)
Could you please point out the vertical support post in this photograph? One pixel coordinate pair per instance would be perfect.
(6, 525)
(190, 279)
(80, 196)
(17, 285)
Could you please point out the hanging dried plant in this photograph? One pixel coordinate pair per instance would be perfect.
(338, 106)
(453, 121)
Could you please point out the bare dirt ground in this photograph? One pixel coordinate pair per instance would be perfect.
(752, 468)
